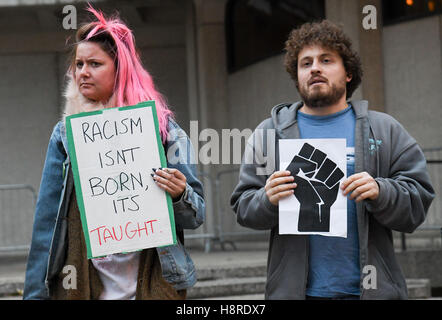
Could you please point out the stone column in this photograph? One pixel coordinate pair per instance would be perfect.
(367, 42)
(211, 64)
(370, 49)
(207, 78)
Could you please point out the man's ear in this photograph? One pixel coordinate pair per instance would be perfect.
(349, 77)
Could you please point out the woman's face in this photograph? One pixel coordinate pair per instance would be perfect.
(94, 72)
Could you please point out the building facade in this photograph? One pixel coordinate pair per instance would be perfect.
(220, 64)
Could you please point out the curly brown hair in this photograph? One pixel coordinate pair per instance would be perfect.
(330, 36)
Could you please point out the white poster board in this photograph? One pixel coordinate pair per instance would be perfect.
(318, 205)
(112, 153)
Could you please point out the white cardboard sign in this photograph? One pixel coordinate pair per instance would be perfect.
(317, 206)
(112, 153)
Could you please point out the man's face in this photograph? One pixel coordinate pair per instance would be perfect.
(322, 77)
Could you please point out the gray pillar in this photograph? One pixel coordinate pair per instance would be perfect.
(212, 70)
(370, 49)
(207, 78)
(368, 43)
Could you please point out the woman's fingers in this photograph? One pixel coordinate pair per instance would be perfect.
(170, 180)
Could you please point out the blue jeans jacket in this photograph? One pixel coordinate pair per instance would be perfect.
(48, 246)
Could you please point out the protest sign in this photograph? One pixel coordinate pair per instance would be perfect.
(317, 205)
(112, 153)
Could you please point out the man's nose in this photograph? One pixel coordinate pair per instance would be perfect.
(316, 68)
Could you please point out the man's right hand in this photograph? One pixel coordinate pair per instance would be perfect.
(279, 185)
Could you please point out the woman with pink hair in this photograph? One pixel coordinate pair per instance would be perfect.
(106, 71)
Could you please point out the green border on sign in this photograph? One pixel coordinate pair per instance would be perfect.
(73, 156)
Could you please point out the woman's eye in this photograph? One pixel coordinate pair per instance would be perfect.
(79, 65)
(95, 64)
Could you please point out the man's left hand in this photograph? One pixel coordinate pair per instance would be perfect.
(361, 186)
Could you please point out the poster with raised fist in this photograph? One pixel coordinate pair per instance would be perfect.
(317, 205)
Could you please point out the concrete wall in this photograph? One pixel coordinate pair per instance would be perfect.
(413, 77)
(413, 93)
(29, 106)
(170, 81)
(422, 264)
(254, 90)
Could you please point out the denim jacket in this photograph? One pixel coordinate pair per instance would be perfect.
(48, 247)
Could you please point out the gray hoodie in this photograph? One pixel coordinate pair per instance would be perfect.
(385, 150)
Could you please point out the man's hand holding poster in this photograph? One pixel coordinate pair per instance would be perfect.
(112, 153)
(317, 206)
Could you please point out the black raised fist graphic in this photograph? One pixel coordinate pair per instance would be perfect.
(317, 178)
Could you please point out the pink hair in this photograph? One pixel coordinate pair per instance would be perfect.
(133, 84)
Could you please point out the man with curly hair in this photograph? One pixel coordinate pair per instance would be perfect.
(387, 184)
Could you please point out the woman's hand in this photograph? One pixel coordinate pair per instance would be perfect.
(170, 180)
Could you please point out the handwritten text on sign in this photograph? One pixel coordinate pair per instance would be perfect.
(123, 208)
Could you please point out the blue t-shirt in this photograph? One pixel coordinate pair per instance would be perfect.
(333, 261)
